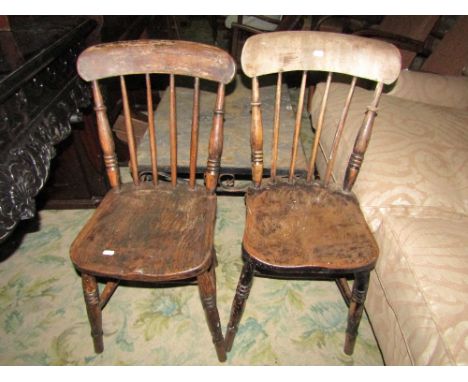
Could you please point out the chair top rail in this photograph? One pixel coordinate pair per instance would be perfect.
(321, 51)
(156, 56)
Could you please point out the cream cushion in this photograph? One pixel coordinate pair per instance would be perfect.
(433, 89)
(422, 276)
(418, 153)
(413, 190)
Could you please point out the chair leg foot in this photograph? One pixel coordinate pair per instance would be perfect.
(91, 297)
(207, 289)
(238, 305)
(356, 307)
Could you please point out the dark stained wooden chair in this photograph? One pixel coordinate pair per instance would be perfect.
(310, 228)
(153, 231)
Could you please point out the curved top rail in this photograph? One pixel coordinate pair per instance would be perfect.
(156, 56)
(322, 51)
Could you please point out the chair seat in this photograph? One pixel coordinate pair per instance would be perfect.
(148, 233)
(307, 227)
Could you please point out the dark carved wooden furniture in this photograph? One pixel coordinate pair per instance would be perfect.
(153, 231)
(78, 175)
(40, 95)
(306, 227)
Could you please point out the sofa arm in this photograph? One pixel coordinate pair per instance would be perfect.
(434, 89)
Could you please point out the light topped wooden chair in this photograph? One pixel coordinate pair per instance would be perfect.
(153, 231)
(310, 228)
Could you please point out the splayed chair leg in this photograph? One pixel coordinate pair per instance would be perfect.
(91, 296)
(238, 305)
(207, 289)
(356, 307)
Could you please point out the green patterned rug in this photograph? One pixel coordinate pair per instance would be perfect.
(43, 318)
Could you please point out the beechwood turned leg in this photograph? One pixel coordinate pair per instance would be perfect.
(356, 306)
(91, 297)
(238, 305)
(207, 288)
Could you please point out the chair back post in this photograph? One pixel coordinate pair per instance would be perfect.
(318, 129)
(338, 133)
(195, 132)
(215, 146)
(105, 137)
(173, 129)
(256, 135)
(297, 126)
(276, 126)
(151, 130)
(362, 141)
(130, 133)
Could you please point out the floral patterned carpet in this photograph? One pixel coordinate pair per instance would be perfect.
(43, 318)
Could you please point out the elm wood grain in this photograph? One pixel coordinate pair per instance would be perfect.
(371, 59)
(306, 228)
(181, 58)
(141, 225)
(159, 231)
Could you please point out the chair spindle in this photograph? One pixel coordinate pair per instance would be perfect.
(130, 132)
(362, 141)
(215, 146)
(339, 132)
(152, 131)
(194, 137)
(318, 130)
(256, 135)
(276, 126)
(173, 129)
(297, 127)
(105, 137)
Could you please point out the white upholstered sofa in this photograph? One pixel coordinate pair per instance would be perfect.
(413, 190)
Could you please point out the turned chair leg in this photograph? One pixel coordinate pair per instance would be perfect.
(207, 289)
(238, 305)
(356, 306)
(91, 297)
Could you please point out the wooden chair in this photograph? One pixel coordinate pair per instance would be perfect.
(309, 227)
(153, 231)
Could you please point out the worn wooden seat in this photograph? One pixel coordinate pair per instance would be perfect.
(302, 228)
(154, 231)
(311, 228)
(135, 231)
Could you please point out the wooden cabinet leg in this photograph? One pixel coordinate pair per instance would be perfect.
(207, 288)
(238, 305)
(356, 306)
(91, 297)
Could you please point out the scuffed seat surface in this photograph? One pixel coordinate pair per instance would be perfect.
(148, 233)
(307, 226)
